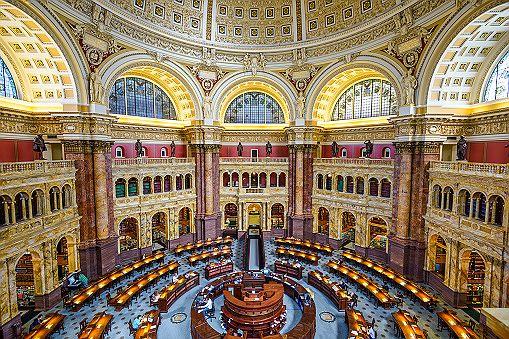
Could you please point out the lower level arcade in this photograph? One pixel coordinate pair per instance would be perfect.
(253, 287)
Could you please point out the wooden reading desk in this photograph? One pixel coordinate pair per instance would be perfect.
(97, 327)
(407, 326)
(285, 267)
(202, 244)
(305, 244)
(311, 258)
(424, 297)
(124, 297)
(148, 325)
(330, 288)
(52, 323)
(215, 269)
(99, 286)
(455, 325)
(175, 290)
(215, 253)
(380, 294)
(357, 326)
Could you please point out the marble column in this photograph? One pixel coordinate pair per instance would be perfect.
(94, 194)
(208, 213)
(300, 188)
(410, 194)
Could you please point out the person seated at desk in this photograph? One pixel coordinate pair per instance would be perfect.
(206, 307)
(83, 279)
(174, 279)
(155, 297)
(137, 322)
(34, 324)
(74, 282)
(372, 333)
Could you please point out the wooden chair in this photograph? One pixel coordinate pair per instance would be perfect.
(83, 324)
(131, 328)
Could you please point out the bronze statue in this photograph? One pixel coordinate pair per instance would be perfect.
(335, 149)
(240, 148)
(369, 148)
(39, 146)
(172, 149)
(461, 149)
(138, 148)
(268, 148)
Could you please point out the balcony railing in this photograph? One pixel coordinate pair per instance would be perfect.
(255, 160)
(151, 161)
(43, 166)
(354, 162)
(473, 168)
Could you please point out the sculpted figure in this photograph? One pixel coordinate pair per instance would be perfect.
(138, 148)
(39, 146)
(268, 148)
(409, 86)
(96, 88)
(240, 148)
(369, 148)
(172, 149)
(207, 107)
(300, 105)
(335, 149)
(461, 149)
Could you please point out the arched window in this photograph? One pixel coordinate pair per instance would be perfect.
(7, 85)
(497, 86)
(440, 257)
(254, 108)
(147, 185)
(66, 196)
(54, 199)
(323, 221)
(349, 184)
(448, 198)
(340, 183)
(245, 180)
(273, 179)
(437, 196)
(178, 182)
(164, 152)
(254, 180)
(479, 206)
(235, 179)
(142, 98)
(6, 207)
(226, 179)
(319, 181)
(496, 210)
(386, 152)
(385, 188)
(21, 206)
(282, 179)
(328, 182)
(120, 188)
(184, 225)
(231, 216)
(157, 184)
(128, 234)
(344, 153)
(119, 152)
(37, 203)
(363, 152)
(373, 187)
(263, 180)
(464, 203)
(365, 99)
(188, 181)
(132, 187)
(167, 183)
(277, 215)
(359, 186)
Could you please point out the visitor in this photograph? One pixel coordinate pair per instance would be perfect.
(372, 333)
(137, 322)
(34, 324)
(155, 297)
(83, 279)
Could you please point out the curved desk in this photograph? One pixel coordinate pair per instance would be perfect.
(305, 329)
(330, 288)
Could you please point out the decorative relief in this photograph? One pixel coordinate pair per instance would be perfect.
(96, 45)
(301, 72)
(254, 63)
(207, 73)
(408, 47)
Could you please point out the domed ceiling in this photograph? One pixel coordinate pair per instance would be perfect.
(235, 27)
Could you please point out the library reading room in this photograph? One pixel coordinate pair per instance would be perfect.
(229, 169)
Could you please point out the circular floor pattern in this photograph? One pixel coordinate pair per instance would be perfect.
(177, 318)
(327, 317)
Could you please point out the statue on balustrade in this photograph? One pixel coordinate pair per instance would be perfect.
(240, 148)
(138, 148)
(268, 148)
(369, 148)
(461, 149)
(39, 146)
(172, 149)
(335, 149)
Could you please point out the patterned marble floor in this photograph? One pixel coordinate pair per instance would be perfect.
(176, 323)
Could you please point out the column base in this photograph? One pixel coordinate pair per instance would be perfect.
(208, 226)
(99, 259)
(134, 254)
(182, 240)
(453, 298)
(375, 254)
(406, 256)
(49, 300)
(300, 227)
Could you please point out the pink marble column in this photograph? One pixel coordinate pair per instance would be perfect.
(410, 193)
(94, 195)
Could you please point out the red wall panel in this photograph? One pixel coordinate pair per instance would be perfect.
(231, 151)
(16, 150)
(354, 150)
(153, 150)
(488, 151)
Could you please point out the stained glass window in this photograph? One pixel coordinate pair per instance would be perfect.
(7, 86)
(142, 98)
(254, 108)
(498, 83)
(366, 99)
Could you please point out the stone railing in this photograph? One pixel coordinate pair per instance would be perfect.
(253, 160)
(470, 168)
(43, 166)
(354, 162)
(150, 161)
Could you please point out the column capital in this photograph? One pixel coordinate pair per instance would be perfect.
(417, 147)
(203, 134)
(87, 146)
(214, 148)
(304, 135)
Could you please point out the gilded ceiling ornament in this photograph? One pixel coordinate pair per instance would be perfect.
(301, 72)
(254, 63)
(408, 47)
(96, 45)
(207, 72)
